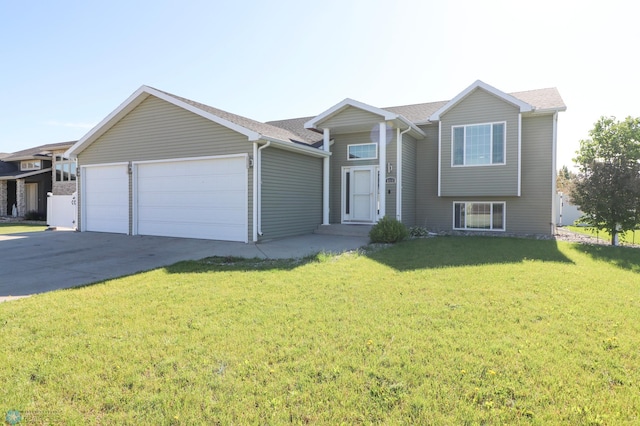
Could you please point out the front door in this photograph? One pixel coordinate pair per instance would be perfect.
(31, 196)
(359, 194)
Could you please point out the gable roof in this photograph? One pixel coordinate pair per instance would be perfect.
(384, 114)
(252, 129)
(522, 105)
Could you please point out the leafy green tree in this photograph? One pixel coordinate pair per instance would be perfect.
(564, 180)
(607, 188)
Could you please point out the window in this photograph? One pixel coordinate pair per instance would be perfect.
(364, 151)
(65, 169)
(478, 144)
(479, 216)
(31, 165)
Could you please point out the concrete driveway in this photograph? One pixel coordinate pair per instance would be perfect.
(37, 262)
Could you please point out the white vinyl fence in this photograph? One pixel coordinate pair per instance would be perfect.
(566, 213)
(62, 211)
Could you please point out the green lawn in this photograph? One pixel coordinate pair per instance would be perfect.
(436, 331)
(628, 238)
(19, 228)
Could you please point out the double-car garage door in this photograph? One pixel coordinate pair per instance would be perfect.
(196, 198)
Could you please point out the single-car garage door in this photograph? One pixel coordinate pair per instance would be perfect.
(203, 198)
(105, 198)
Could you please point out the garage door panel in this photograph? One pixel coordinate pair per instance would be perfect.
(106, 198)
(193, 199)
(192, 183)
(187, 230)
(182, 200)
(197, 216)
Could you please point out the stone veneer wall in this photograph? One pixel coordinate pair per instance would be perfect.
(3, 197)
(64, 188)
(21, 200)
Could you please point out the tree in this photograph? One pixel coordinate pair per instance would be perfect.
(564, 180)
(607, 189)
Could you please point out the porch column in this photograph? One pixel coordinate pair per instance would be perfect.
(3, 197)
(325, 178)
(21, 200)
(382, 186)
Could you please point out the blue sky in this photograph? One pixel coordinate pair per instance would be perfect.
(67, 64)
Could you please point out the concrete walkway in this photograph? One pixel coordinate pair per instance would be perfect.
(43, 261)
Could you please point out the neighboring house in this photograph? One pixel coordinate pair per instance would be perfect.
(567, 214)
(164, 165)
(27, 176)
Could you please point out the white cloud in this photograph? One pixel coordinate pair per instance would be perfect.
(74, 125)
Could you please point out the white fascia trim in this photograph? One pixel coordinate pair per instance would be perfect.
(124, 108)
(548, 110)
(302, 149)
(412, 126)
(136, 99)
(523, 106)
(348, 102)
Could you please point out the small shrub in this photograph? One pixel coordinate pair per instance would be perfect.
(33, 215)
(388, 230)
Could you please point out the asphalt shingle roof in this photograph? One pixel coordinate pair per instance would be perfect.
(265, 129)
(38, 151)
(540, 99)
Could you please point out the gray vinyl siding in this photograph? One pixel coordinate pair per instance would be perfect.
(157, 130)
(430, 212)
(532, 212)
(495, 180)
(291, 193)
(409, 153)
(339, 160)
(529, 214)
(350, 116)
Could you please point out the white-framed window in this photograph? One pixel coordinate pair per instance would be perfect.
(30, 165)
(65, 169)
(479, 215)
(478, 144)
(362, 151)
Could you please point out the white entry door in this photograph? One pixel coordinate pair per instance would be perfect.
(31, 196)
(359, 191)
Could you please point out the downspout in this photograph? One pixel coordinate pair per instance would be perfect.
(75, 219)
(326, 142)
(553, 173)
(259, 163)
(399, 172)
(255, 193)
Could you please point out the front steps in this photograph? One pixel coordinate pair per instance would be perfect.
(344, 230)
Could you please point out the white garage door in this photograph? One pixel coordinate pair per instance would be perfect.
(193, 199)
(106, 198)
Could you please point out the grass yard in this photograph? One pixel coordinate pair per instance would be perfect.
(628, 238)
(19, 228)
(436, 331)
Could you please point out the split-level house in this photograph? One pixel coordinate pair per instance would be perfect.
(161, 164)
(27, 176)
